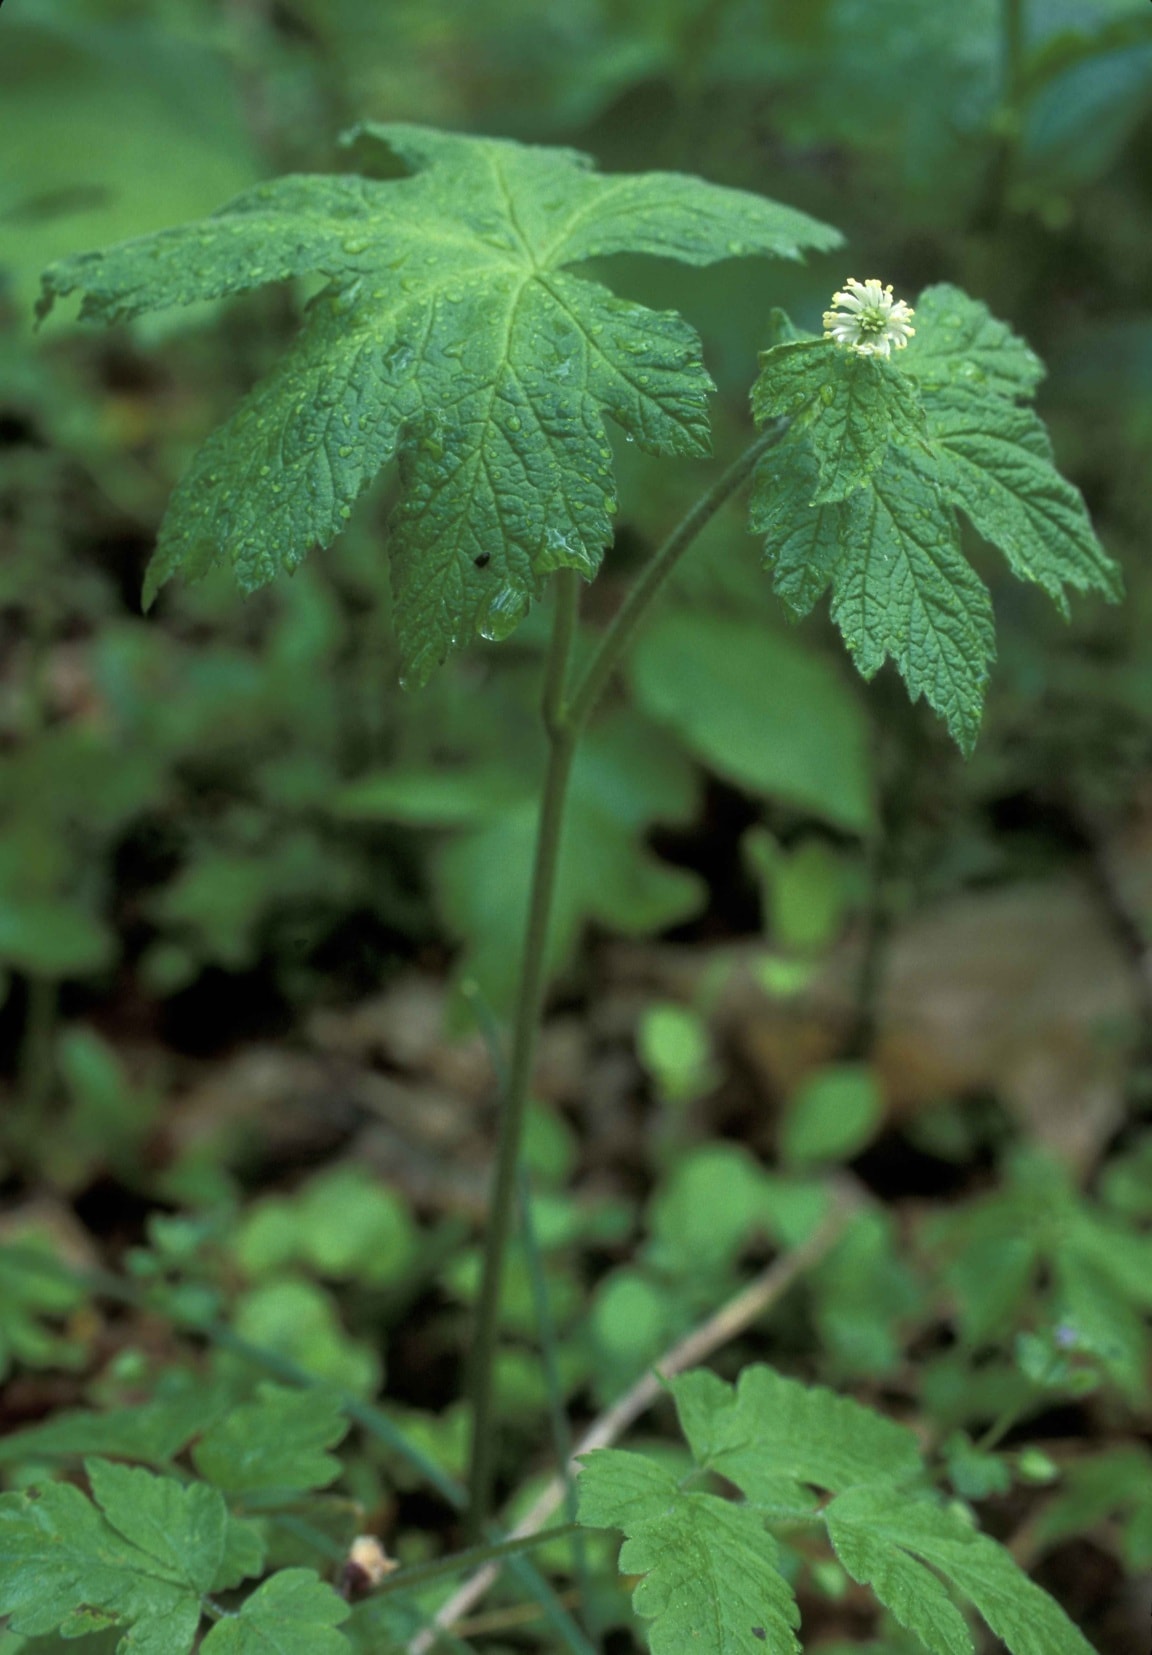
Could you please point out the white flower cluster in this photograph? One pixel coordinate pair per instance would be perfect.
(868, 320)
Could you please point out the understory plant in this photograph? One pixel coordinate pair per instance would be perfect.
(456, 330)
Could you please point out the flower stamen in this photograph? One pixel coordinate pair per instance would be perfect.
(868, 320)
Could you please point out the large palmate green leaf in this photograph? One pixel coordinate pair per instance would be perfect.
(450, 334)
(861, 497)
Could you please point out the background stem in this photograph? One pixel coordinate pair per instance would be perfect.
(990, 210)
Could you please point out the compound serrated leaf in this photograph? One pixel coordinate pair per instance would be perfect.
(142, 1562)
(1014, 1607)
(711, 1575)
(275, 1442)
(180, 1527)
(860, 497)
(449, 335)
(292, 1613)
(768, 1432)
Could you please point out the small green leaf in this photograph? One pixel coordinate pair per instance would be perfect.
(49, 937)
(862, 1294)
(144, 1561)
(674, 1045)
(833, 1116)
(850, 407)
(180, 1527)
(975, 1474)
(758, 709)
(276, 1442)
(427, 798)
(292, 1613)
(714, 1199)
(297, 1318)
(153, 1433)
(31, 1299)
(711, 1576)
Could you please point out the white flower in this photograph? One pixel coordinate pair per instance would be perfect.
(869, 321)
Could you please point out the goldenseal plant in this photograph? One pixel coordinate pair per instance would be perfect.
(457, 332)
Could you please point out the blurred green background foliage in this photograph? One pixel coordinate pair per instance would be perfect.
(227, 819)
(241, 789)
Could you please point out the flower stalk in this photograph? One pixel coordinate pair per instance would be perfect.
(564, 721)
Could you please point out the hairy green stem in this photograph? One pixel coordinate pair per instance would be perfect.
(545, 1321)
(549, 1340)
(564, 722)
(638, 602)
(530, 1001)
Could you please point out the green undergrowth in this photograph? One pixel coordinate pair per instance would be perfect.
(558, 446)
